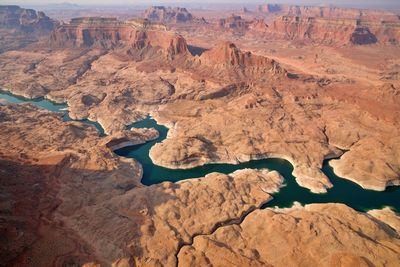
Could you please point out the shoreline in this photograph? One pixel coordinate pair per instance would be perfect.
(244, 159)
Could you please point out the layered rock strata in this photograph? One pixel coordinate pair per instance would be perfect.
(110, 33)
(328, 12)
(333, 31)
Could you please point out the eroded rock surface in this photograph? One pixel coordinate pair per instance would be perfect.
(317, 234)
(265, 109)
(150, 224)
(111, 216)
(47, 167)
(74, 202)
(335, 31)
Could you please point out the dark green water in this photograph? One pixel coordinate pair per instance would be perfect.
(344, 191)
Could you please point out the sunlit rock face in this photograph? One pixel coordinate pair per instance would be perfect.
(328, 31)
(109, 33)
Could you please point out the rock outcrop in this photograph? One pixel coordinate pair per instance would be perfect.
(333, 31)
(27, 20)
(20, 27)
(168, 14)
(228, 61)
(234, 22)
(328, 12)
(336, 236)
(258, 25)
(141, 38)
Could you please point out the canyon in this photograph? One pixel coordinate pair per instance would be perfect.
(305, 84)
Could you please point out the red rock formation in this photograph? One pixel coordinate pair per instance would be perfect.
(258, 25)
(227, 60)
(234, 22)
(163, 14)
(109, 33)
(386, 32)
(335, 31)
(28, 20)
(328, 12)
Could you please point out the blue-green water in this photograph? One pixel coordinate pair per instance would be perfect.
(49, 105)
(344, 191)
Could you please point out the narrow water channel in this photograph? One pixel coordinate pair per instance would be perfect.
(343, 191)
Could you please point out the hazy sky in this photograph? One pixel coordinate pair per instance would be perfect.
(244, 2)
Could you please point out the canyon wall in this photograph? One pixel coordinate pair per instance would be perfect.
(336, 31)
(109, 33)
(327, 12)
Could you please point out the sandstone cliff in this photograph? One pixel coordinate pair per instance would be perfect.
(20, 27)
(328, 12)
(168, 14)
(226, 63)
(228, 60)
(140, 38)
(335, 31)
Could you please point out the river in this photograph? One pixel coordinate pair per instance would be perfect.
(343, 191)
